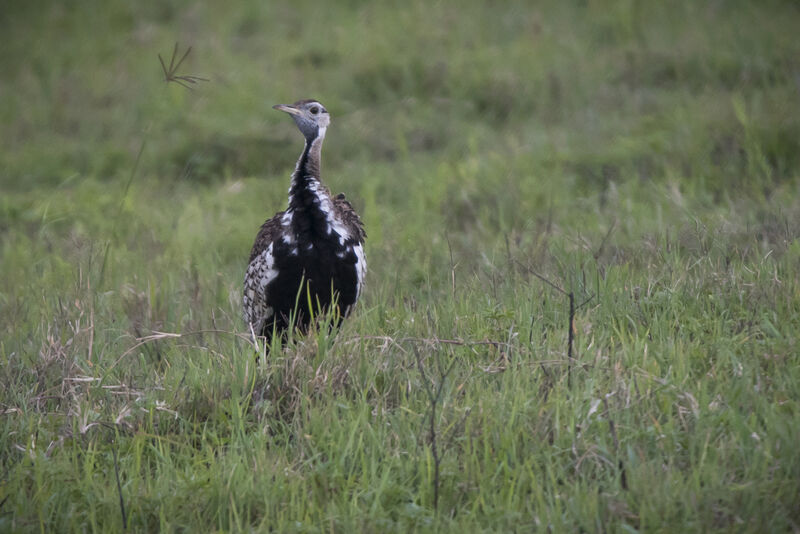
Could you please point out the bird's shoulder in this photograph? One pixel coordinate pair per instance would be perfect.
(349, 216)
(266, 234)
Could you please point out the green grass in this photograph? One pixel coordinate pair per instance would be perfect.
(644, 156)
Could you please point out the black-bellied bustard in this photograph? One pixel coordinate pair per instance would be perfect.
(311, 256)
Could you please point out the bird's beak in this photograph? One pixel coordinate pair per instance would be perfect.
(291, 110)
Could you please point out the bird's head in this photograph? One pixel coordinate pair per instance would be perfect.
(310, 116)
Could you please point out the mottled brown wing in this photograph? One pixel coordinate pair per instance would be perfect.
(266, 235)
(350, 217)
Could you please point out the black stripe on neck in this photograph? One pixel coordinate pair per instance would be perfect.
(306, 170)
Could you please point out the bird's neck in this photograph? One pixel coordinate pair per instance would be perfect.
(310, 203)
(307, 171)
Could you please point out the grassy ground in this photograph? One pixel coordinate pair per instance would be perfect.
(643, 156)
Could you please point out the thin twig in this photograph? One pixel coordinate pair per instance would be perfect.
(434, 396)
(119, 487)
(571, 324)
(623, 479)
(570, 337)
(585, 302)
(543, 279)
(603, 242)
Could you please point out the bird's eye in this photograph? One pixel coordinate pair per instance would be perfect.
(314, 110)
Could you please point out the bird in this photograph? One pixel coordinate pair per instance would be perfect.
(309, 258)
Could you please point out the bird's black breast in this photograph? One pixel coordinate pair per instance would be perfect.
(310, 277)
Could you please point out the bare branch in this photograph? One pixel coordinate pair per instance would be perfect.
(434, 396)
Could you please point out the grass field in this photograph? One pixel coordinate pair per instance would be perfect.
(642, 156)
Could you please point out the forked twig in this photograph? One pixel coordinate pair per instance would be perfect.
(434, 393)
(571, 324)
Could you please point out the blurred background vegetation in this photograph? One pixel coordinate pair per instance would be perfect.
(481, 117)
(654, 145)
